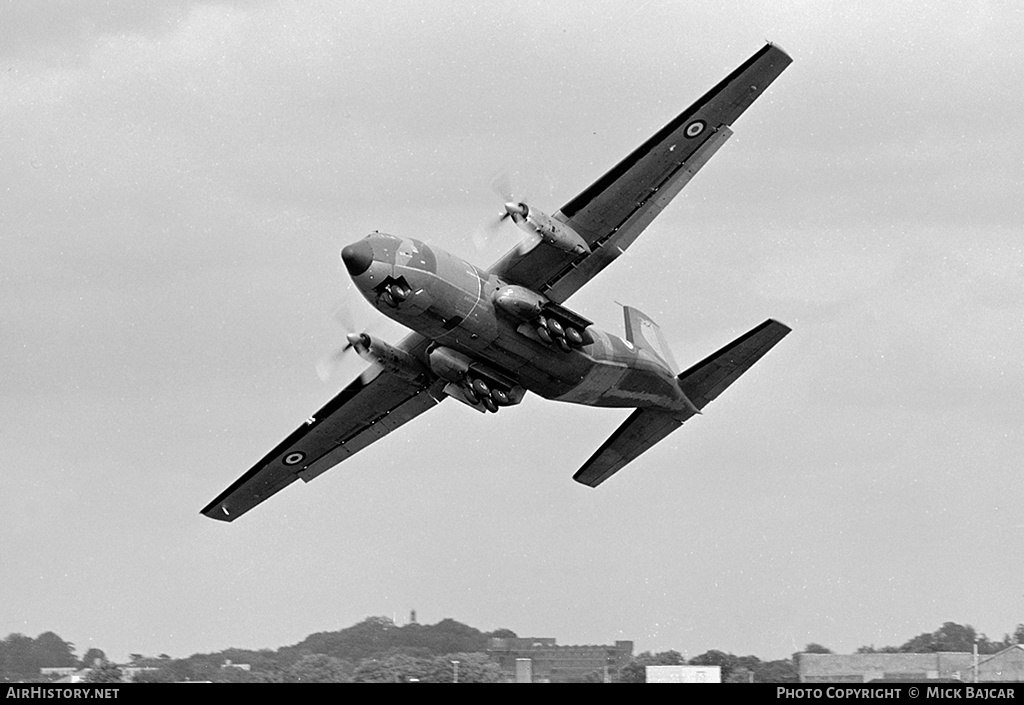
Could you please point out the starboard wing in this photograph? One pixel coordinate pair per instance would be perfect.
(612, 212)
(363, 412)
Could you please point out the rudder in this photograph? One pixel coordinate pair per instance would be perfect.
(644, 333)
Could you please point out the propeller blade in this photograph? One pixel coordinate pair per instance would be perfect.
(327, 366)
(370, 373)
(484, 235)
(502, 186)
(343, 317)
(529, 244)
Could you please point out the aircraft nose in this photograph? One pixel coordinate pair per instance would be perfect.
(357, 257)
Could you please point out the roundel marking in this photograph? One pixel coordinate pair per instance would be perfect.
(694, 128)
(294, 458)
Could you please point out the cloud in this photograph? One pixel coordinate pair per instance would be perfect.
(64, 30)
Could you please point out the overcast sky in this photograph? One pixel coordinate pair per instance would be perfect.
(177, 180)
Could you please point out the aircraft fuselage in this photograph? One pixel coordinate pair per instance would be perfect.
(454, 303)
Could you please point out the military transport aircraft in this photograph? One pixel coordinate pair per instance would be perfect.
(486, 337)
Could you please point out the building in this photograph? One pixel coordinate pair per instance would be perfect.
(74, 674)
(1007, 665)
(684, 674)
(58, 671)
(541, 660)
(241, 666)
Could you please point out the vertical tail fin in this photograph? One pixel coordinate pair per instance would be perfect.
(646, 335)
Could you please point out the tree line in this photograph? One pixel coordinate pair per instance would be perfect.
(376, 650)
(951, 637)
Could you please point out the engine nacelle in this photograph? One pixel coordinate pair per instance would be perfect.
(387, 356)
(549, 230)
(449, 364)
(518, 301)
(474, 383)
(544, 320)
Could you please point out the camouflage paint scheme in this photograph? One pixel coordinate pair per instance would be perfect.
(486, 337)
(609, 371)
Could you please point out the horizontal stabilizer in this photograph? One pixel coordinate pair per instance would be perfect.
(703, 382)
(640, 431)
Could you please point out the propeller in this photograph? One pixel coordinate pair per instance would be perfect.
(501, 185)
(329, 365)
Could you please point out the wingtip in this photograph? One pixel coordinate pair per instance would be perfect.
(585, 480)
(778, 48)
(218, 512)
